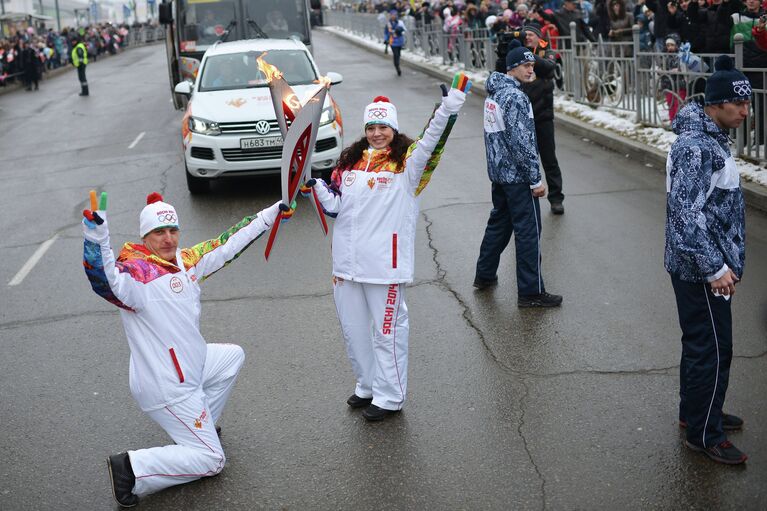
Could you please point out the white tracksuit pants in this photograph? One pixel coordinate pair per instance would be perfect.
(374, 322)
(191, 424)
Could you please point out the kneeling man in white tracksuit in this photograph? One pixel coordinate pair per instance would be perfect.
(178, 379)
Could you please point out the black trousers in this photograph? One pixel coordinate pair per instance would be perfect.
(544, 135)
(83, 81)
(704, 370)
(515, 211)
(396, 51)
(81, 75)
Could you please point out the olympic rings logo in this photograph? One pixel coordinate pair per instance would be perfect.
(742, 90)
(167, 218)
(378, 114)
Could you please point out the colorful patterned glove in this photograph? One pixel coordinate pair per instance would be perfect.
(456, 96)
(287, 212)
(95, 219)
(306, 188)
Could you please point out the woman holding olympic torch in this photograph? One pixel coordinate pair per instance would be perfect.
(374, 197)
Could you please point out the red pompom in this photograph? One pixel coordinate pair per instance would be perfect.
(153, 197)
(381, 99)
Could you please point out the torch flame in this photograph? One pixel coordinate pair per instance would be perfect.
(323, 81)
(270, 72)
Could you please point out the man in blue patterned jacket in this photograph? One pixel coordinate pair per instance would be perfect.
(705, 252)
(512, 164)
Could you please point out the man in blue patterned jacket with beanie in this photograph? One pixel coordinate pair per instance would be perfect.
(512, 165)
(705, 252)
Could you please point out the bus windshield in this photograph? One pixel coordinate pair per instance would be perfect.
(202, 22)
(240, 70)
(279, 19)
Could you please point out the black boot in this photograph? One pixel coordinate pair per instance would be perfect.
(84, 91)
(122, 479)
(358, 402)
(374, 413)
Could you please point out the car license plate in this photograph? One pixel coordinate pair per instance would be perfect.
(256, 143)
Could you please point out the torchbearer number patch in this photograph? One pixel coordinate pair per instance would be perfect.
(493, 117)
(176, 285)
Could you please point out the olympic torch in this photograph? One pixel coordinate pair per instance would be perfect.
(298, 139)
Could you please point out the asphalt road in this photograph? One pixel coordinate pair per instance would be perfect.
(572, 408)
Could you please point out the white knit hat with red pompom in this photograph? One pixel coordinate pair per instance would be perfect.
(381, 111)
(156, 215)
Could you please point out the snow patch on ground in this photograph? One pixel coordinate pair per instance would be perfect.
(618, 121)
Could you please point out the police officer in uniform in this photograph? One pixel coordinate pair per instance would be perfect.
(80, 60)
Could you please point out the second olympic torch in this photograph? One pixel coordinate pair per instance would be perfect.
(298, 124)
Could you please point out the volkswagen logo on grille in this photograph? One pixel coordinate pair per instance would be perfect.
(263, 127)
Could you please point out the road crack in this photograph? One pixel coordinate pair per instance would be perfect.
(521, 434)
(468, 318)
(442, 283)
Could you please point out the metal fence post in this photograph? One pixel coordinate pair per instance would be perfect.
(576, 66)
(490, 56)
(742, 132)
(463, 48)
(637, 95)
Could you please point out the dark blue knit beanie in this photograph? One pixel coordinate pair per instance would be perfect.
(727, 84)
(517, 55)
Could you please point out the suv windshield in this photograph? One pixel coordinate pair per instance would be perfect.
(240, 70)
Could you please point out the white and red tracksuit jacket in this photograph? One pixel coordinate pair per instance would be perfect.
(160, 305)
(376, 204)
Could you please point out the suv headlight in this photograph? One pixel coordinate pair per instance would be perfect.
(328, 115)
(198, 125)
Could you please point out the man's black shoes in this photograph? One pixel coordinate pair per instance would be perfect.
(539, 300)
(122, 479)
(557, 208)
(723, 452)
(729, 422)
(359, 402)
(484, 284)
(373, 413)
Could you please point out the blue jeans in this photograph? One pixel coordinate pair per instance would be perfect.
(515, 211)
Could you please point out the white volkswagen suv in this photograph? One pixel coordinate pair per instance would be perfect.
(230, 127)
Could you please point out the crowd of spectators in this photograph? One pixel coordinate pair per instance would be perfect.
(27, 55)
(709, 26)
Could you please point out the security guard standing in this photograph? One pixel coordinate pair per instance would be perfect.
(705, 255)
(80, 60)
(541, 94)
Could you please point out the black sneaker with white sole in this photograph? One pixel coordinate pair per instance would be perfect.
(122, 479)
(723, 452)
(539, 300)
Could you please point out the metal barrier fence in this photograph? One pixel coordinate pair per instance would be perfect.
(145, 35)
(619, 75)
(473, 49)
(134, 38)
